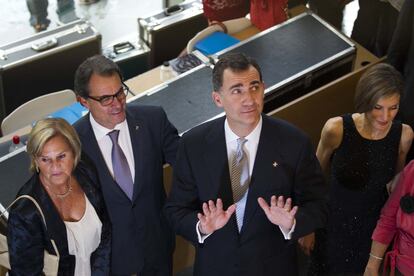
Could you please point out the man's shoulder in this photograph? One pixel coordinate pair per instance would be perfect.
(205, 128)
(81, 123)
(82, 127)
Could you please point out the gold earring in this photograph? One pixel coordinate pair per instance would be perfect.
(37, 168)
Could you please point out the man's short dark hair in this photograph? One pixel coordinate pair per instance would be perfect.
(236, 62)
(97, 64)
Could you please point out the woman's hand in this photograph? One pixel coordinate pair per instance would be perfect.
(307, 243)
(370, 271)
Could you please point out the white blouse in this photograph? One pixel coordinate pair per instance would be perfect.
(84, 237)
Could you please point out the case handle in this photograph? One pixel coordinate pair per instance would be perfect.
(44, 45)
(123, 47)
(172, 10)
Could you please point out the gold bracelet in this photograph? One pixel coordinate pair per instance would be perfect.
(375, 257)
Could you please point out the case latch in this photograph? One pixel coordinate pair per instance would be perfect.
(3, 55)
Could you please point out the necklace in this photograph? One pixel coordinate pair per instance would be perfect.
(65, 194)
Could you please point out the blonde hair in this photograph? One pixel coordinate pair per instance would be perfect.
(46, 129)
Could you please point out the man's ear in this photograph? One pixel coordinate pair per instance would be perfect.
(82, 101)
(216, 98)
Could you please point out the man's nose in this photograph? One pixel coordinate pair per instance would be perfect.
(248, 97)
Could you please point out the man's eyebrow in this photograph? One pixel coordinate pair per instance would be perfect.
(255, 82)
(237, 85)
(109, 95)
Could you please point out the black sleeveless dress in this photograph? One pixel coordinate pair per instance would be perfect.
(360, 170)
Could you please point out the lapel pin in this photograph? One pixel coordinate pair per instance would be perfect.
(136, 127)
(275, 164)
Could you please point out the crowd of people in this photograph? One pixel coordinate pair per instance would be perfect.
(246, 187)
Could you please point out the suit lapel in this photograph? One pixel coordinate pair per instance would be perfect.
(136, 132)
(266, 165)
(91, 147)
(217, 166)
(216, 162)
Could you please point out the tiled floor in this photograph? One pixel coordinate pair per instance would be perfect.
(113, 18)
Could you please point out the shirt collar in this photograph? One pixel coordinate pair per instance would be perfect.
(253, 136)
(101, 131)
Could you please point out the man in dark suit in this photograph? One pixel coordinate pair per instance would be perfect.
(130, 169)
(240, 233)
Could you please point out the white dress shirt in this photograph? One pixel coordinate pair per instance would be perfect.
(105, 143)
(250, 148)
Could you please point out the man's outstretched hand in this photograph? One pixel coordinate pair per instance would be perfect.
(213, 216)
(279, 212)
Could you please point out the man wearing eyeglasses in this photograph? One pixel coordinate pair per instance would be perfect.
(129, 146)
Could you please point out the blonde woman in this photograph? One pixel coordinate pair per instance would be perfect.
(73, 207)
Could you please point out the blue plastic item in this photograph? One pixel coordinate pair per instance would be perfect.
(70, 113)
(215, 42)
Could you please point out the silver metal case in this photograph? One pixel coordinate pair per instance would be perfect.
(43, 63)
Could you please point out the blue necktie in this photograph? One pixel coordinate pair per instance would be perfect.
(239, 175)
(122, 173)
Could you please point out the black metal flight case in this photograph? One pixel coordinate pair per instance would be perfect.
(186, 99)
(14, 171)
(167, 32)
(44, 63)
(297, 56)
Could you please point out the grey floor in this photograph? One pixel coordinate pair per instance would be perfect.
(112, 18)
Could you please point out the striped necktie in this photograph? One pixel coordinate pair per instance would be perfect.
(239, 175)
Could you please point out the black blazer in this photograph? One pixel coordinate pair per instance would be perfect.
(401, 56)
(141, 235)
(285, 165)
(27, 237)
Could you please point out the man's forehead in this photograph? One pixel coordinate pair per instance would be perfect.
(100, 84)
(250, 75)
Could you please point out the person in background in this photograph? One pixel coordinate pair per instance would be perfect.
(38, 14)
(267, 13)
(228, 171)
(401, 56)
(129, 146)
(65, 10)
(329, 10)
(219, 11)
(375, 24)
(66, 190)
(362, 152)
(396, 224)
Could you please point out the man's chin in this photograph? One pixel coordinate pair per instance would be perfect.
(251, 116)
(118, 120)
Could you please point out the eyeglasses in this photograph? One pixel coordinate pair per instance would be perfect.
(109, 99)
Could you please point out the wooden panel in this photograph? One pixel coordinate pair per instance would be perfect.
(311, 111)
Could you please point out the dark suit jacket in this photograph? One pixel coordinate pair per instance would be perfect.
(202, 173)
(401, 56)
(28, 238)
(142, 240)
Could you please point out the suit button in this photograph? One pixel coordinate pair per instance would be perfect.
(133, 205)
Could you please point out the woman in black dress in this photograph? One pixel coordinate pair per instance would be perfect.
(361, 153)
